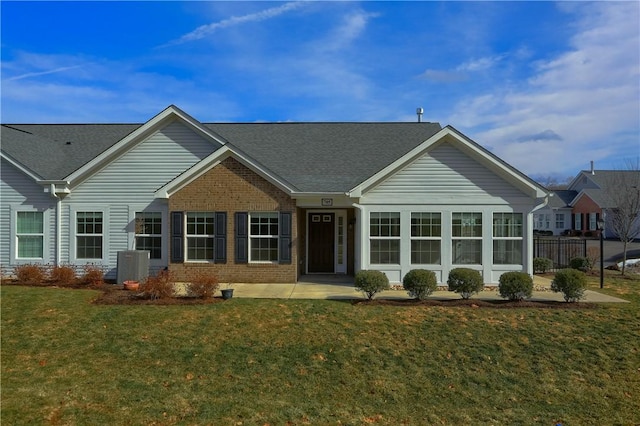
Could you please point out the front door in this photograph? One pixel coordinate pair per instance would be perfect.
(321, 242)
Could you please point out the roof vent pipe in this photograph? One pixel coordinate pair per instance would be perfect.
(593, 170)
(419, 111)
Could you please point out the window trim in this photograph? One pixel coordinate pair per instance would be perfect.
(510, 237)
(413, 238)
(144, 235)
(73, 237)
(397, 237)
(187, 236)
(251, 236)
(14, 235)
(463, 238)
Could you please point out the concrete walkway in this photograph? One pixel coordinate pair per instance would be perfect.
(341, 287)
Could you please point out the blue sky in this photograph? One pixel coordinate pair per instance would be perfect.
(546, 86)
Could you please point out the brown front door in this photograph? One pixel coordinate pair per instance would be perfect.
(321, 242)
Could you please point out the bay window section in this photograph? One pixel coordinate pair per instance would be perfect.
(384, 238)
(426, 232)
(89, 235)
(507, 238)
(263, 237)
(148, 233)
(466, 230)
(200, 236)
(30, 235)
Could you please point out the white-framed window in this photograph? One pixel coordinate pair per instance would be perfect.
(29, 235)
(559, 220)
(89, 234)
(200, 236)
(263, 236)
(148, 233)
(384, 238)
(593, 221)
(578, 221)
(466, 230)
(426, 236)
(507, 238)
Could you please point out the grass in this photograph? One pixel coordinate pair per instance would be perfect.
(246, 362)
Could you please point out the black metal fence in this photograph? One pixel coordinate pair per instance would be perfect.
(559, 250)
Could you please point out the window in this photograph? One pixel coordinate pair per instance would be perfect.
(30, 235)
(466, 229)
(559, 221)
(148, 233)
(89, 235)
(578, 221)
(263, 237)
(507, 238)
(593, 221)
(384, 233)
(426, 230)
(200, 236)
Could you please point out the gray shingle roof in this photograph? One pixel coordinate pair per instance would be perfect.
(314, 157)
(562, 198)
(54, 151)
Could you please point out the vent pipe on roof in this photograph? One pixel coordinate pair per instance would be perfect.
(593, 170)
(419, 111)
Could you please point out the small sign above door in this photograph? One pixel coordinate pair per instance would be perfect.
(327, 202)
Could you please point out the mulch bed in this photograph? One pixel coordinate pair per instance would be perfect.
(113, 294)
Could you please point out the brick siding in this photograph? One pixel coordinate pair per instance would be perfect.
(232, 187)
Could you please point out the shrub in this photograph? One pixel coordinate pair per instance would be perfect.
(62, 275)
(465, 281)
(581, 264)
(30, 273)
(420, 283)
(160, 286)
(541, 265)
(515, 285)
(571, 283)
(371, 282)
(203, 285)
(92, 275)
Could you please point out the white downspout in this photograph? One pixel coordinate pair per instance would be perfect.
(530, 232)
(358, 237)
(58, 222)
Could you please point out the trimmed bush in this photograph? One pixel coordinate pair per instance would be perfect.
(581, 264)
(159, 287)
(371, 282)
(420, 283)
(203, 286)
(62, 275)
(30, 274)
(541, 265)
(465, 281)
(571, 283)
(515, 285)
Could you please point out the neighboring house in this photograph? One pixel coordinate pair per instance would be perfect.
(576, 210)
(263, 202)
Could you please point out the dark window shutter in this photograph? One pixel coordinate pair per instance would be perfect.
(220, 248)
(242, 237)
(285, 237)
(177, 237)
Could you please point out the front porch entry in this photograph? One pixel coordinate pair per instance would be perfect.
(326, 242)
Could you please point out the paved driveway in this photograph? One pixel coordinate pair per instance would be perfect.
(613, 250)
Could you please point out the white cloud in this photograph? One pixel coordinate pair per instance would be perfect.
(588, 95)
(205, 30)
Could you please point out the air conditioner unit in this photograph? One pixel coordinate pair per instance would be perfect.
(133, 265)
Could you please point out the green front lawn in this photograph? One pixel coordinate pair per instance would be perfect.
(277, 362)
